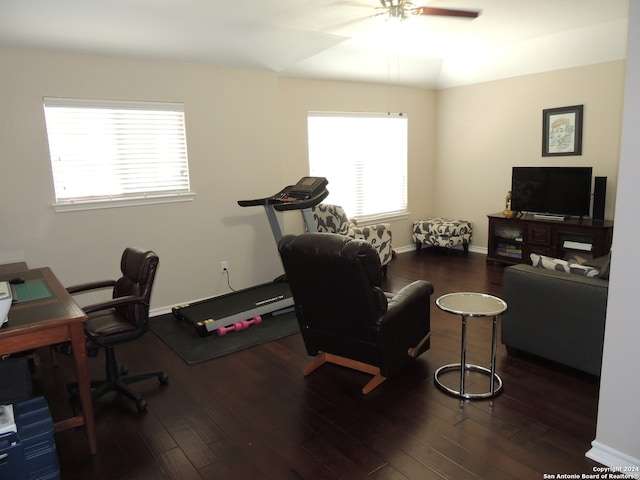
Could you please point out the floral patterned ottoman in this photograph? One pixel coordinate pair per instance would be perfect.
(442, 232)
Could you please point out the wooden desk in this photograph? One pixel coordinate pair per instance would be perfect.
(47, 321)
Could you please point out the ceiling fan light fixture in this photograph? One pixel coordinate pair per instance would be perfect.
(399, 9)
(402, 9)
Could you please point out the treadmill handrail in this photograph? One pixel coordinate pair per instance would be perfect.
(302, 204)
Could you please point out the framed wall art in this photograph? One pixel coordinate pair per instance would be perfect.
(562, 131)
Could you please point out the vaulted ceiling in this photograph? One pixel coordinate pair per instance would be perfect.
(331, 39)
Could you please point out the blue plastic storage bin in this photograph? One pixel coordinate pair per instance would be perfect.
(30, 453)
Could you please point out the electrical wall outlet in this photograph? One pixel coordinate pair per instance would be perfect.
(224, 267)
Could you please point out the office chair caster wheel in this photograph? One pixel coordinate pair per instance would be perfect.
(164, 379)
(141, 405)
(123, 370)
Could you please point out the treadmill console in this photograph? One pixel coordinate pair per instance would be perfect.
(303, 196)
(308, 187)
(308, 192)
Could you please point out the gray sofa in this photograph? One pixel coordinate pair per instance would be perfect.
(556, 315)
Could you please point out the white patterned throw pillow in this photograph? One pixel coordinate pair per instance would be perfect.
(550, 263)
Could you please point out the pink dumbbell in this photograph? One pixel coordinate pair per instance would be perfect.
(253, 321)
(236, 327)
(239, 326)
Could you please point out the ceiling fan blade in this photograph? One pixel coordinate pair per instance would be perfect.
(447, 12)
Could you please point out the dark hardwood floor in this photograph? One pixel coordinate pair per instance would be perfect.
(252, 415)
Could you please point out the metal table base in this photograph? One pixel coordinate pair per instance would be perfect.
(494, 308)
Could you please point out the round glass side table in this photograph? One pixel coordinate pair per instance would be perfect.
(469, 304)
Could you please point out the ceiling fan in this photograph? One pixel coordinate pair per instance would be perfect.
(403, 9)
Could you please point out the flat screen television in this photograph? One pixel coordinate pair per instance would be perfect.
(562, 191)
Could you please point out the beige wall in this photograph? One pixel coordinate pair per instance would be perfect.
(232, 142)
(485, 129)
(616, 443)
(298, 97)
(246, 134)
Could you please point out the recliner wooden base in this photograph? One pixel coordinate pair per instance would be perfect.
(347, 362)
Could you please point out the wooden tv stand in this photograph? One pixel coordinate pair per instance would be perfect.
(512, 240)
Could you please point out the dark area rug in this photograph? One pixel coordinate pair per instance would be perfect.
(182, 338)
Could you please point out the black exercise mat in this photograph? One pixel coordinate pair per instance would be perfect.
(183, 339)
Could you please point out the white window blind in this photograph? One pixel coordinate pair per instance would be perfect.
(364, 157)
(104, 151)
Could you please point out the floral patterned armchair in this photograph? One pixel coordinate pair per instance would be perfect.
(333, 219)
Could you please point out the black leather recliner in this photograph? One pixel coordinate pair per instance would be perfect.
(344, 316)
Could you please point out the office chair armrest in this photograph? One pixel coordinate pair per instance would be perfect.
(85, 287)
(114, 303)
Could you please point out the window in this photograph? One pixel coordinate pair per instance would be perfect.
(114, 153)
(364, 157)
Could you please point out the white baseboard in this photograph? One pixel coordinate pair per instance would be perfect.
(614, 459)
(405, 249)
(154, 312)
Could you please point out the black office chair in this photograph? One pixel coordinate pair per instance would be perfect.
(344, 316)
(124, 318)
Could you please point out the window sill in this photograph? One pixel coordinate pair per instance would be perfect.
(122, 202)
(374, 220)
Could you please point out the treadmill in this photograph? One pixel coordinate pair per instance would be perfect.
(270, 299)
